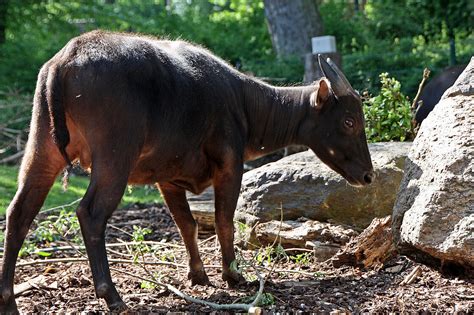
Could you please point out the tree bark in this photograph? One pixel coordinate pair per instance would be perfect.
(452, 40)
(371, 248)
(292, 24)
(3, 19)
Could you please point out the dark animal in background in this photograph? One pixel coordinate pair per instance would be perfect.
(432, 92)
(136, 109)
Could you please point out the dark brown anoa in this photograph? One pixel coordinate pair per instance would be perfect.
(136, 109)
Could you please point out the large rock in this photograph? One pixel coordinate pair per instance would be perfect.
(433, 218)
(303, 186)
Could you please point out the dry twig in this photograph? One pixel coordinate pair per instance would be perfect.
(412, 276)
(61, 207)
(113, 260)
(13, 157)
(414, 105)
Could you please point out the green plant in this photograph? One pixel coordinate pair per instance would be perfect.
(269, 254)
(235, 267)
(57, 227)
(63, 225)
(167, 256)
(147, 285)
(388, 115)
(27, 249)
(138, 235)
(303, 259)
(266, 299)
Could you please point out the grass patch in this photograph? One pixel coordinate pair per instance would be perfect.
(77, 188)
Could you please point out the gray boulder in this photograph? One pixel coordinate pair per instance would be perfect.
(433, 218)
(302, 186)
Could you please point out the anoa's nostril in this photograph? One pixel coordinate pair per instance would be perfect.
(369, 177)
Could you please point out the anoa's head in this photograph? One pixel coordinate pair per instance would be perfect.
(334, 128)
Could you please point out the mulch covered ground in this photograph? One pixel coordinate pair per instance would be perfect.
(294, 286)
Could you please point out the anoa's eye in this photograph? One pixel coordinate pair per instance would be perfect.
(349, 122)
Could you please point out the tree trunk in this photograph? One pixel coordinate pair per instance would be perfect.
(3, 19)
(452, 41)
(292, 24)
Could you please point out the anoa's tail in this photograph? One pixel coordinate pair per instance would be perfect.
(57, 114)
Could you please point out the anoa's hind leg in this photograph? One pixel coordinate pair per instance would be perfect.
(108, 181)
(40, 166)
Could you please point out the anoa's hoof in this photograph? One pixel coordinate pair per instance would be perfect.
(233, 279)
(199, 277)
(120, 308)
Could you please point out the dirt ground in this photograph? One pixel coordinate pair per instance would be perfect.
(294, 286)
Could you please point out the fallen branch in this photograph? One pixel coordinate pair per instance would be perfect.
(113, 260)
(61, 207)
(207, 239)
(109, 250)
(13, 157)
(426, 74)
(247, 307)
(39, 281)
(412, 276)
(119, 229)
(415, 107)
(251, 308)
(81, 247)
(71, 245)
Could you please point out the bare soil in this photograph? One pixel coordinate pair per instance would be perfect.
(295, 286)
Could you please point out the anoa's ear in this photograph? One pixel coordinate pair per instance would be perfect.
(322, 93)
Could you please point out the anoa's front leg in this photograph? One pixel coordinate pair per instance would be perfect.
(226, 181)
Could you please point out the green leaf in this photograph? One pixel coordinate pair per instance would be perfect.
(43, 254)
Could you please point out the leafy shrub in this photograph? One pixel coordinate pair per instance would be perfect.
(61, 226)
(376, 40)
(388, 115)
(371, 41)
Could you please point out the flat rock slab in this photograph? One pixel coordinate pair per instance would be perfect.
(324, 238)
(433, 218)
(202, 208)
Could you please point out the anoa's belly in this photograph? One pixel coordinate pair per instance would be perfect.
(190, 171)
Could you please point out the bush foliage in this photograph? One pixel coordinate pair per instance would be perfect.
(400, 37)
(388, 115)
(374, 40)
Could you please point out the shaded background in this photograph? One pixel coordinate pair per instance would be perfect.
(400, 37)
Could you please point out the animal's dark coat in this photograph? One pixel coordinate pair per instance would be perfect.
(432, 92)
